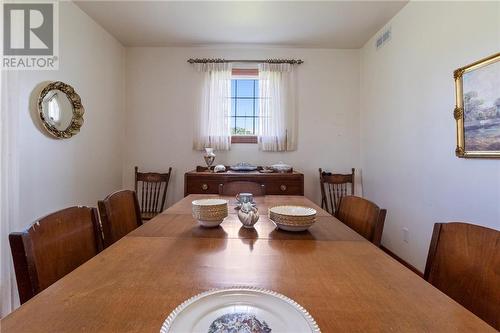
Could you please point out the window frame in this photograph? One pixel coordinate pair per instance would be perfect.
(241, 74)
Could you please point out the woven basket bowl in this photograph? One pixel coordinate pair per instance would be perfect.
(308, 217)
(210, 209)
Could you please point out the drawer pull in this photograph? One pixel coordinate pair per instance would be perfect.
(204, 187)
(283, 188)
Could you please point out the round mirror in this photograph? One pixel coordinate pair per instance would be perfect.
(60, 110)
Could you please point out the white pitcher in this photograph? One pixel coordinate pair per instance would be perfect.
(248, 215)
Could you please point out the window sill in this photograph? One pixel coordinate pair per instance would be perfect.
(244, 139)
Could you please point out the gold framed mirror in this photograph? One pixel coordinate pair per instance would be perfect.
(60, 109)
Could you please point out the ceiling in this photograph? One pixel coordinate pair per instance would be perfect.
(329, 24)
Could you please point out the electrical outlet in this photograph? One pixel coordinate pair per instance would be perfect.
(406, 234)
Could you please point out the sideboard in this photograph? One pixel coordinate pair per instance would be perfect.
(206, 182)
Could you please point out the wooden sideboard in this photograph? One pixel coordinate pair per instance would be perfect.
(204, 182)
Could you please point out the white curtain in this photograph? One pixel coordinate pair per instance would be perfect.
(9, 186)
(213, 128)
(278, 119)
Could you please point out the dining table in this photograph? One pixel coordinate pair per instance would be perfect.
(346, 283)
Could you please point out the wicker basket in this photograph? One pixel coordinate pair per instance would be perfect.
(306, 217)
(210, 209)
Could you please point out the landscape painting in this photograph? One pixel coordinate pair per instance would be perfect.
(481, 108)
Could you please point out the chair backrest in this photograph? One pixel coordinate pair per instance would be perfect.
(464, 263)
(233, 188)
(363, 216)
(333, 188)
(151, 188)
(52, 247)
(120, 214)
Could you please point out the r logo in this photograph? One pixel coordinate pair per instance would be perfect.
(28, 29)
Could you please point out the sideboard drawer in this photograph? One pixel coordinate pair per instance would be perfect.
(202, 186)
(284, 188)
(199, 182)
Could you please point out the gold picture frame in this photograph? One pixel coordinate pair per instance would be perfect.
(474, 119)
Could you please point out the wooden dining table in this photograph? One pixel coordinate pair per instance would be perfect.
(346, 283)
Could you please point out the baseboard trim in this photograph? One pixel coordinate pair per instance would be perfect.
(404, 263)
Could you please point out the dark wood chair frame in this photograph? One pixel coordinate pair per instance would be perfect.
(151, 203)
(379, 228)
(242, 186)
(487, 315)
(337, 185)
(376, 238)
(104, 212)
(23, 257)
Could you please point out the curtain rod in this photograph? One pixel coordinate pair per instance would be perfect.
(270, 61)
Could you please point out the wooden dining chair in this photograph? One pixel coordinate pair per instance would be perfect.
(151, 188)
(363, 216)
(52, 247)
(235, 187)
(120, 214)
(333, 188)
(464, 263)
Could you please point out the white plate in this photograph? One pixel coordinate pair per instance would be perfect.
(209, 202)
(210, 223)
(267, 310)
(292, 227)
(293, 210)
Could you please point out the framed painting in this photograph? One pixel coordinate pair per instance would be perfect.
(477, 110)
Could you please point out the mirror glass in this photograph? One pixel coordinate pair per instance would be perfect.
(57, 109)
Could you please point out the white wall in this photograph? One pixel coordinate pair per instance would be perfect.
(58, 173)
(407, 126)
(163, 91)
(55, 174)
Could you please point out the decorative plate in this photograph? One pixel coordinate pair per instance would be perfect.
(239, 310)
(243, 167)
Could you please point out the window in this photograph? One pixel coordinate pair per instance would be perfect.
(244, 107)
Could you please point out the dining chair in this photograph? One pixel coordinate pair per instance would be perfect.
(464, 263)
(120, 214)
(151, 187)
(363, 216)
(52, 247)
(235, 187)
(333, 188)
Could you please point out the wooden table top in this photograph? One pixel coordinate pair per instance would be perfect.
(345, 282)
(263, 203)
(184, 226)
